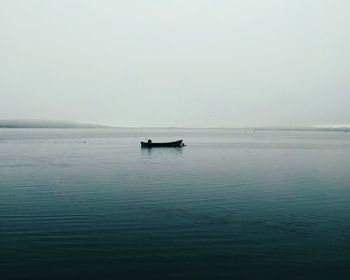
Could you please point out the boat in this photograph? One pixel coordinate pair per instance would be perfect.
(150, 144)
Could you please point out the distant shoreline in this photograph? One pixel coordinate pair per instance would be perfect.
(37, 124)
(46, 124)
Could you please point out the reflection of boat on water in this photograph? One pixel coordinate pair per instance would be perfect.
(150, 144)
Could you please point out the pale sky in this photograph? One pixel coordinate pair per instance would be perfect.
(190, 63)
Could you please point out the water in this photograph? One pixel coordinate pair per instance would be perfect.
(233, 204)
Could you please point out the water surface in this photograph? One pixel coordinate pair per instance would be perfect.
(233, 204)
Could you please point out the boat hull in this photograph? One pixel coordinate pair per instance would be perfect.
(160, 145)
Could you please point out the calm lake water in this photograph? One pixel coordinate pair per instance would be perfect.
(233, 204)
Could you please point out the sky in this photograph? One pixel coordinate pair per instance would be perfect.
(183, 63)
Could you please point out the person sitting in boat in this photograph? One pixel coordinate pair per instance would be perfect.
(149, 141)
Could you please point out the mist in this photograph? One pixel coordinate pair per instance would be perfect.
(176, 63)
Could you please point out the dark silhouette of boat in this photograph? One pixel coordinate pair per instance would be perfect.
(150, 144)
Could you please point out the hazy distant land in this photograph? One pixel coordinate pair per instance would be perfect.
(306, 128)
(19, 123)
(46, 124)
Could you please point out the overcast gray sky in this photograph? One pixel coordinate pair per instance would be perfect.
(191, 63)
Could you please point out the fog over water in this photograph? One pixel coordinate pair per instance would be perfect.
(176, 63)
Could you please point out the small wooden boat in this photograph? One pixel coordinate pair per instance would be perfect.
(150, 144)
